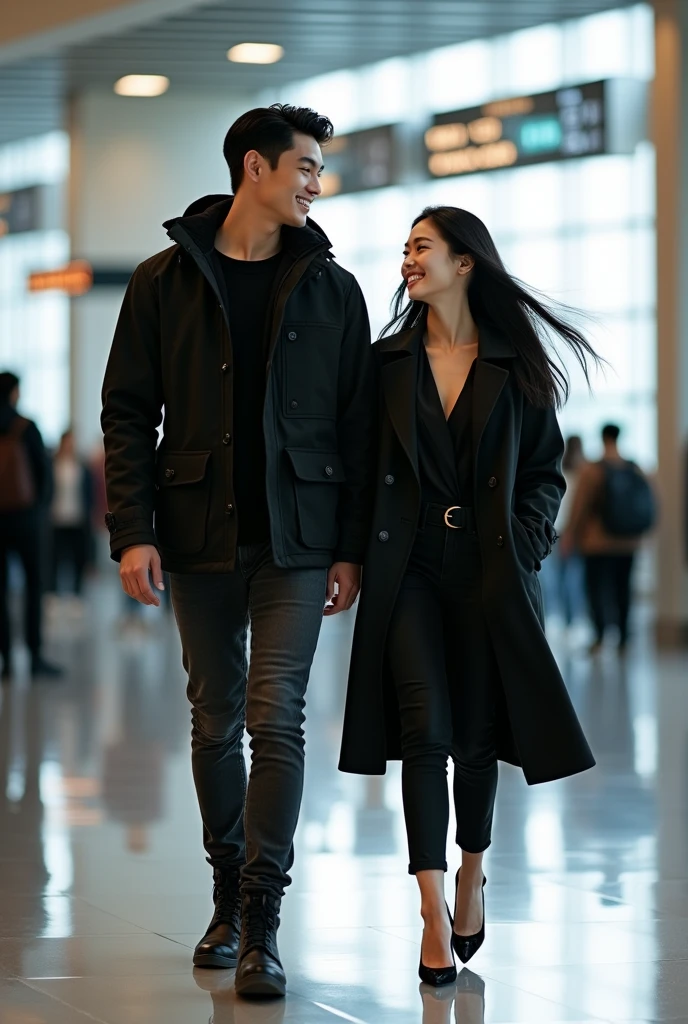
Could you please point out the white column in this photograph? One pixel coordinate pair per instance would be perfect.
(670, 132)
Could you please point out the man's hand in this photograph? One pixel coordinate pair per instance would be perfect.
(139, 565)
(347, 578)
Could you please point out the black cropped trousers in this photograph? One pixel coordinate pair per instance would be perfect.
(446, 679)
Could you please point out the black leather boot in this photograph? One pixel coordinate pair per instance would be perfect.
(260, 972)
(219, 947)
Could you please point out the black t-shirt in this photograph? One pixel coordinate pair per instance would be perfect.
(248, 287)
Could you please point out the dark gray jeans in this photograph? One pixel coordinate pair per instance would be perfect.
(249, 824)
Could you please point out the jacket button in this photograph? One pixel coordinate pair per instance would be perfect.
(224, 367)
(389, 479)
(227, 439)
(229, 510)
(294, 404)
(292, 335)
(492, 482)
(169, 473)
(383, 536)
(328, 470)
(500, 542)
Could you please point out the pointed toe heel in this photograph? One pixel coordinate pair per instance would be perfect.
(438, 976)
(466, 946)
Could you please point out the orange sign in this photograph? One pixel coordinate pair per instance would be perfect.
(74, 279)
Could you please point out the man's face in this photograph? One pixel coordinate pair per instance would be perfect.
(289, 189)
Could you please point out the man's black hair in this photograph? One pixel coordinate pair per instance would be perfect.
(270, 131)
(8, 382)
(610, 432)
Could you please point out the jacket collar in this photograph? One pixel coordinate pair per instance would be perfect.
(203, 218)
(492, 343)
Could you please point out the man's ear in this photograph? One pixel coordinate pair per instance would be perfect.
(253, 164)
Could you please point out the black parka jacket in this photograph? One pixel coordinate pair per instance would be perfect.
(172, 355)
(518, 487)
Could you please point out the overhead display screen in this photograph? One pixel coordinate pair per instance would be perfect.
(558, 125)
(360, 161)
(20, 210)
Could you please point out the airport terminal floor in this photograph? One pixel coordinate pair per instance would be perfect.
(104, 889)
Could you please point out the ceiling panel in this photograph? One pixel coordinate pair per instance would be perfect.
(317, 35)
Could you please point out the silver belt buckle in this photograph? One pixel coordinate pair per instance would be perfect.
(447, 515)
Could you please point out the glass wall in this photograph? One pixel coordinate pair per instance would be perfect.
(34, 329)
(582, 231)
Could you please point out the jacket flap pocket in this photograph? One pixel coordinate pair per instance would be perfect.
(176, 468)
(317, 467)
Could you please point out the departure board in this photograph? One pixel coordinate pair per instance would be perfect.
(360, 161)
(558, 125)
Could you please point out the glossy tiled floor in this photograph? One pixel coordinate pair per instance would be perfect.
(104, 889)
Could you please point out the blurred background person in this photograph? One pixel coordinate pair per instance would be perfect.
(613, 508)
(25, 488)
(71, 515)
(562, 574)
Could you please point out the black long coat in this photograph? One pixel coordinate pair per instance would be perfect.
(518, 487)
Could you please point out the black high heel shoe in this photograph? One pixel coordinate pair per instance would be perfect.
(466, 946)
(438, 976)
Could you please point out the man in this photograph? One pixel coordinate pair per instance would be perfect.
(257, 345)
(25, 484)
(612, 508)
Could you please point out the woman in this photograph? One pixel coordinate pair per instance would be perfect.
(71, 514)
(568, 563)
(449, 654)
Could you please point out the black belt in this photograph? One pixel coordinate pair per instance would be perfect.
(455, 517)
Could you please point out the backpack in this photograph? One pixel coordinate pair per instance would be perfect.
(628, 507)
(17, 488)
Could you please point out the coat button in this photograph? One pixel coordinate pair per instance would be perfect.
(383, 536)
(389, 479)
(294, 404)
(500, 542)
(224, 367)
(492, 482)
(169, 473)
(229, 510)
(328, 470)
(292, 335)
(227, 439)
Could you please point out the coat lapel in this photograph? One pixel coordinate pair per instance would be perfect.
(399, 355)
(489, 379)
(399, 372)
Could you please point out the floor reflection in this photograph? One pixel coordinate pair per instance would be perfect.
(104, 889)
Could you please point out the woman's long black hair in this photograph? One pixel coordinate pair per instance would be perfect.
(496, 298)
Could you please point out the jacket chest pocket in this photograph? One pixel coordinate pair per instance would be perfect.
(311, 370)
(316, 478)
(183, 498)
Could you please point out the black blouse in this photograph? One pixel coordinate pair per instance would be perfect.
(445, 446)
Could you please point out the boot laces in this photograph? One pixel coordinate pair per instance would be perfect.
(226, 895)
(260, 920)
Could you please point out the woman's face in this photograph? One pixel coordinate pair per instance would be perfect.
(430, 268)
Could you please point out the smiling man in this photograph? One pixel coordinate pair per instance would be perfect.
(256, 501)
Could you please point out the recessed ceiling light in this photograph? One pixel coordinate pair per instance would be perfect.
(255, 53)
(142, 85)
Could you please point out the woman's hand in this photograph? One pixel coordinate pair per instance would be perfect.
(343, 585)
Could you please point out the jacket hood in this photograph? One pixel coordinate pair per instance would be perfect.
(203, 217)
